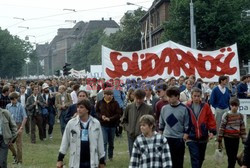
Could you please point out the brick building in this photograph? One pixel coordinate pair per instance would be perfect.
(159, 13)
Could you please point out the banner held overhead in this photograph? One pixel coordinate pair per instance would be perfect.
(171, 59)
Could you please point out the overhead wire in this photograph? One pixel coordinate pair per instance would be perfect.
(61, 14)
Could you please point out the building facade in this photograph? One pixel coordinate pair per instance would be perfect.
(58, 49)
(152, 22)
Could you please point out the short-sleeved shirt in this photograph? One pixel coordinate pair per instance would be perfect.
(17, 111)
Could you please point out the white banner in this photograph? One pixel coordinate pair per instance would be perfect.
(244, 106)
(77, 74)
(171, 59)
(95, 71)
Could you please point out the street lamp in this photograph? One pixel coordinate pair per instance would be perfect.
(19, 18)
(23, 27)
(73, 10)
(70, 21)
(192, 26)
(38, 62)
(149, 20)
(27, 61)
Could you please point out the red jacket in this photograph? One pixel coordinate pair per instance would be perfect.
(203, 123)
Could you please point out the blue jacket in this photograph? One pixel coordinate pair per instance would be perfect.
(119, 96)
(241, 89)
(218, 99)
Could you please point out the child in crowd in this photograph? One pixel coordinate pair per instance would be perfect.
(232, 129)
(19, 115)
(150, 148)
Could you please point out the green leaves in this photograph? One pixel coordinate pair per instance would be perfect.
(13, 51)
(218, 24)
(128, 38)
(88, 52)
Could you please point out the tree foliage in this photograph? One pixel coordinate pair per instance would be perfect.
(13, 51)
(128, 37)
(218, 24)
(88, 52)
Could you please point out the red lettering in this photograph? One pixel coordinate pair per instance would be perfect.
(152, 64)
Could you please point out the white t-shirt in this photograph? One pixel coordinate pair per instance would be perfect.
(223, 90)
(74, 97)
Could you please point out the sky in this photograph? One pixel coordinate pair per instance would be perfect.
(39, 19)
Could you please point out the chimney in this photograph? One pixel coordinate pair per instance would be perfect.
(102, 18)
(110, 18)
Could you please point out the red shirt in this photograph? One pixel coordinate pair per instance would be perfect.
(158, 108)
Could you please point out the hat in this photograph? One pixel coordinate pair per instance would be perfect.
(45, 85)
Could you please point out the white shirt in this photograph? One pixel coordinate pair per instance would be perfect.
(248, 86)
(35, 98)
(63, 99)
(83, 87)
(74, 97)
(1, 132)
(223, 90)
(22, 99)
(148, 100)
(185, 96)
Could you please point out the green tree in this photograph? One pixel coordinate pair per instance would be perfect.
(34, 66)
(13, 51)
(84, 54)
(128, 37)
(218, 24)
(88, 52)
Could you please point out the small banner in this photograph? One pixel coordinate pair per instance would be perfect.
(244, 106)
(171, 59)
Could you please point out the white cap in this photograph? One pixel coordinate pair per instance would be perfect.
(45, 85)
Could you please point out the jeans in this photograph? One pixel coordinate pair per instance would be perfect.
(232, 146)
(36, 120)
(85, 165)
(130, 144)
(51, 122)
(177, 151)
(18, 150)
(62, 120)
(197, 152)
(218, 116)
(3, 153)
(108, 139)
(45, 121)
(27, 125)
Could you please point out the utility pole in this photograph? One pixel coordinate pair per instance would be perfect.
(192, 26)
(149, 20)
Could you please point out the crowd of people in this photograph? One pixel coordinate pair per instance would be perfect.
(159, 118)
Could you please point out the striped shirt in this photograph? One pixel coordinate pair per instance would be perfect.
(17, 111)
(232, 126)
(150, 152)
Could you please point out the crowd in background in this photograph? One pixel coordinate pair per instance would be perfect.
(186, 111)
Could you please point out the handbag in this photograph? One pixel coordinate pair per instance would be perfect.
(240, 158)
(218, 156)
(45, 111)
